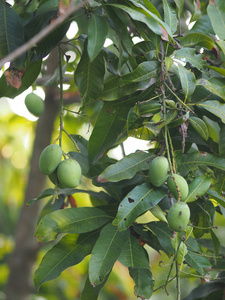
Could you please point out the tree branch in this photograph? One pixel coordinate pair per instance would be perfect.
(43, 33)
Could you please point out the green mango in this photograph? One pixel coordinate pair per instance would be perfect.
(182, 185)
(50, 159)
(178, 216)
(158, 170)
(69, 173)
(34, 104)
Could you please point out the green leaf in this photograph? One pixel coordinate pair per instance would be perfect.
(144, 71)
(168, 62)
(67, 192)
(133, 254)
(44, 194)
(146, 48)
(170, 116)
(200, 126)
(215, 107)
(178, 121)
(188, 55)
(39, 20)
(216, 12)
(143, 281)
(214, 85)
(222, 141)
(158, 213)
(182, 251)
(210, 290)
(149, 107)
(170, 16)
(215, 196)
(151, 8)
(219, 186)
(70, 220)
(163, 234)
(113, 90)
(11, 33)
(126, 168)
(105, 252)
(144, 17)
(69, 251)
(151, 14)
(82, 155)
(48, 43)
(199, 263)
(196, 14)
(97, 32)
(216, 243)
(116, 87)
(89, 76)
(222, 45)
(139, 200)
(194, 160)
(180, 5)
(202, 25)
(193, 39)
(109, 124)
(198, 187)
(91, 292)
(187, 79)
(216, 69)
(31, 73)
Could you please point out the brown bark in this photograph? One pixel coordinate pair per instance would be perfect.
(20, 282)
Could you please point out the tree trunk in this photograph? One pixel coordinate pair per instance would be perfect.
(20, 283)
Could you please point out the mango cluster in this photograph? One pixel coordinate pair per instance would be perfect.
(179, 214)
(64, 173)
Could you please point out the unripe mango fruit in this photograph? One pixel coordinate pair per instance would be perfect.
(34, 104)
(182, 185)
(50, 159)
(158, 170)
(178, 216)
(69, 173)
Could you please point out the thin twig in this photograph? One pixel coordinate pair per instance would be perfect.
(61, 96)
(42, 34)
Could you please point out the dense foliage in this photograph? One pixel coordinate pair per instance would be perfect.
(159, 81)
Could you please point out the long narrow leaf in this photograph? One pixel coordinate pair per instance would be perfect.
(109, 124)
(216, 12)
(139, 200)
(215, 107)
(193, 160)
(69, 251)
(11, 33)
(90, 291)
(198, 187)
(89, 76)
(144, 282)
(70, 220)
(127, 167)
(133, 254)
(97, 32)
(105, 253)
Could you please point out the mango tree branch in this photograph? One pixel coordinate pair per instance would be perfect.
(42, 34)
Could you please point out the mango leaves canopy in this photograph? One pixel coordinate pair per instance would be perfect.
(158, 81)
